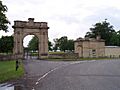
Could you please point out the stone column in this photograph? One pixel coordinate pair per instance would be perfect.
(43, 45)
(18, 43)
(39, 46)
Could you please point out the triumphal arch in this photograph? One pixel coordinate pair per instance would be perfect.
(24, 28)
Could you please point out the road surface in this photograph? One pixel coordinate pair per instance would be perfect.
(79, 75)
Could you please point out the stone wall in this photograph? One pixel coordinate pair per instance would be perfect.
(112, 51)
(7, 57)
(64, 55)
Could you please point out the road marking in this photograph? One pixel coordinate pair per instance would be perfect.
(47, 74)
(92, 61)
(54, 70)
(33, 88)
(58, 68)
(37, 83)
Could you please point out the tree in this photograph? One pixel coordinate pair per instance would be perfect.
(3, 19)
(104, 29)
(115, 39)
(55, 46)
(70, 45)
(33, 44)
(63, 44)
(6, 44)
(118, 34)
(50, 45)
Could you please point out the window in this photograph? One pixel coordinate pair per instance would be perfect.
(93, 51)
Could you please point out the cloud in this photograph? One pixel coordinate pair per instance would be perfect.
(110, 13)
(72, 18)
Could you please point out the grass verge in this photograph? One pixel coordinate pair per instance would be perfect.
(8, 72)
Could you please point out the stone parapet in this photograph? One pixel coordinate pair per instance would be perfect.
(30, 24)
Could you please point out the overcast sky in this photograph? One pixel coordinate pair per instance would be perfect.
(71, 18)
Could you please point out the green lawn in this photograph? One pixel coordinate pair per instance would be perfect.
(8, 72)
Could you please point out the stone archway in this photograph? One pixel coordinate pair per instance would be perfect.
(24, 28)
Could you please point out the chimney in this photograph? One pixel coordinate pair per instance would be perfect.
(98, 37)
(86, 38)
(31, 20)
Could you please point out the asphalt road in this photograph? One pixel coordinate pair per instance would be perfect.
(80, 75)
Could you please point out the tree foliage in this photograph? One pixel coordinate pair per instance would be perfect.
(33, 44)
(55, 47)
(70, 45)
(3, 19)
(50, 45)
(6, 44)
(63, 44)
(105, 30)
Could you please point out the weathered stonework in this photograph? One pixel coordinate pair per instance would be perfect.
(90, 47)
(24, 28)
(112, 51)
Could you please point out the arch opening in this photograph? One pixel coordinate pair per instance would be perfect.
(30, 47)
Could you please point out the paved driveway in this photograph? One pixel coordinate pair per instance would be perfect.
(80, 75)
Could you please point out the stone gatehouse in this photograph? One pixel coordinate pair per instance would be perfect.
(90, 47)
